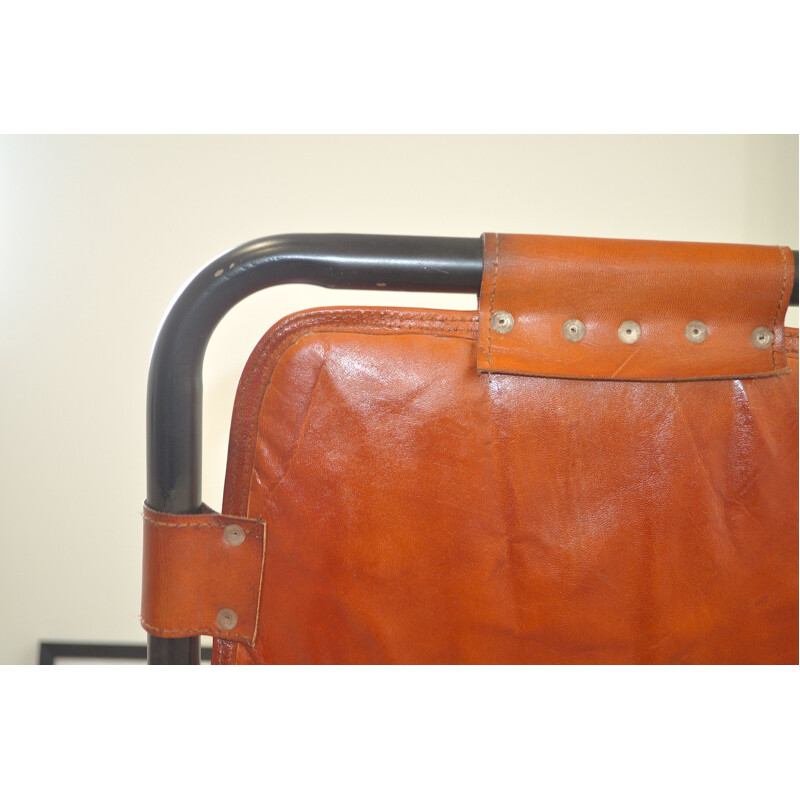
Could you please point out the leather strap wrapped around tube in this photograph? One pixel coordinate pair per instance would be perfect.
(566, 307)
(202, 574)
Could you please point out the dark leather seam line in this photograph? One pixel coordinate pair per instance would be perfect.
(778, 309)
(193, 631)
(751, 376)
(494, 289)
(216, 525)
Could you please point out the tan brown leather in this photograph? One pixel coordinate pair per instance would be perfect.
(192, 572)
(544, 281)
(421, 511)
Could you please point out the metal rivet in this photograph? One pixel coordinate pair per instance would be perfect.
(762, 338)
(501, 321)
(696, 331)
(574, 330)
(629, 332)
(227, 619)
(233, 534)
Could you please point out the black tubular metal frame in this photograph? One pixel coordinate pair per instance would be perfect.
(174, 392)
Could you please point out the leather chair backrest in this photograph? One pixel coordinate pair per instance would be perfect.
(599, 466)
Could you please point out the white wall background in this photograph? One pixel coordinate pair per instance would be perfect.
(98, 233)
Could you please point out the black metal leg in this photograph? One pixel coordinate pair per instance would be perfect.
(173, 651)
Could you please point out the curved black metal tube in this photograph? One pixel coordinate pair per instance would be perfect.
(174, 391)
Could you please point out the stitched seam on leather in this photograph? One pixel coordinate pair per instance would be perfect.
(154, 629)
(207, 631)
(196, 631)
(379, 331)
(253, 532)
(306, 331)
(218, 526)
(780, 303)
(494, 289)
(276, 338)
(790, 340)
(280, 339)
(221, 521)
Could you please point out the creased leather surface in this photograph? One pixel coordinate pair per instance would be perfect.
(543, 281)
(420, 511)
(190, 572)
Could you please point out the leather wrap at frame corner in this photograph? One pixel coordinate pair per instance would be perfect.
(194, 575)
(545, 281)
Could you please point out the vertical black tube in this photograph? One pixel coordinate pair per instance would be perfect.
(173, 651)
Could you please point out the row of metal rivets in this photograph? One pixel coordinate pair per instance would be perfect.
(227, 618)
(629, 331)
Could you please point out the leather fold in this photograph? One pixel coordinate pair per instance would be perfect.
(546, 285)
(202, 575)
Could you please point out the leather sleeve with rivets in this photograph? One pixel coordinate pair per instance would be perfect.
(632, 310)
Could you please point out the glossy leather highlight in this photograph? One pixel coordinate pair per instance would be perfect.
(421, 511)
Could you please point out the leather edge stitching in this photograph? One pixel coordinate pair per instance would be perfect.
(778, 309)
(251, 640)
(291, 336)
(494, 289)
